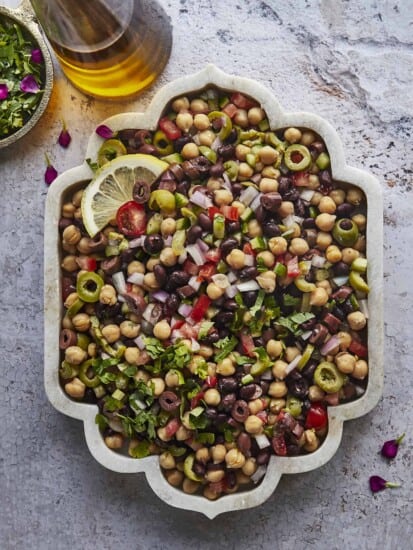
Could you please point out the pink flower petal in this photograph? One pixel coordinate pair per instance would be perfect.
(29, 85)
(36, 56)
(104, 131)
(50, 175)
(4, 91)
(64, 138)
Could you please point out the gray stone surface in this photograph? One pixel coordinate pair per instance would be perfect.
(350, 62)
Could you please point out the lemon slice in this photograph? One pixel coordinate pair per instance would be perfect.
(112, 186)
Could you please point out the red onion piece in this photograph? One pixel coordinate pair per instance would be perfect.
(291, 366)
(330, 345)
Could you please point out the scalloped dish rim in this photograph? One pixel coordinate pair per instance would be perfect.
(278, 118)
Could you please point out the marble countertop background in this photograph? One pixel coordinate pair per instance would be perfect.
(350, 61)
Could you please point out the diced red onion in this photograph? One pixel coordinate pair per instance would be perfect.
(232, 277)
(298, 430)
(330, 345)
(182, 257)
(202, 245)
(259, 474)
(161, 296)
(318, 261)
(291, 366)
(176, 334)
(140, 342)
(196, 139)
(115, 424)
(140, 405)
(200, 199)
(216, 144)
(359, 390)
(185, 310)
(332, 398)
(226, 182)
(194, 282)
(249, 260)
(231, 291)
(267, 375)
(248, 286)
(298, 219)
(195, 346)
(340, 281)
(147, 314)
(167, 240)
(135, 243)
(262, 441)
(256, 178)
(195, 251)
(135, 278)
(118, 280)
(256, 202)
(248, 195)
(104, 355)
(364, 308)
(288, 221)
(307, 194)
(306, 335)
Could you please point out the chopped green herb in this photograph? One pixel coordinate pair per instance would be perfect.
(225, 345)
(293, 322)
(140, 450)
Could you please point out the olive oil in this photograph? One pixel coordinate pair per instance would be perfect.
(107, 48)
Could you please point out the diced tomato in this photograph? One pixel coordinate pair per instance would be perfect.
(263, 415)
(230, 109)
(207, 270)
(280, 259)
(248, 344)
(177, 324)
(300, 179)
(279, 446)
(213, 255)
(172, 427)
(231, 213)
(218, 487)
(358, 349)
(200, 308)
(212, 210)
(197, 399)
(86, 263)
(131, 219)
(242, 101)
(211, 381)
(316, 417)
(292, 267)
(189, 331)
(191, 268)
(169, 128)
(247, 249)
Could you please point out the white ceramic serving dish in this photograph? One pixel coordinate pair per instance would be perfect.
(66, 184)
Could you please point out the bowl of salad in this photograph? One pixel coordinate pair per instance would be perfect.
(213, 293)
(26, 73)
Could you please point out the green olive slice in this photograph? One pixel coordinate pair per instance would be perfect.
(328, 377)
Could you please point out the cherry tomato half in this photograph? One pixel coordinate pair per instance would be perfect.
(170, 129)
(316, 417)
(131, 219)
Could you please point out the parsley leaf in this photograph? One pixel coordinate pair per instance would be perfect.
(140, 450)
(154, 347)
(101, 421)
(198, 418)
(293, 322)
(225, 345)
(204, 329)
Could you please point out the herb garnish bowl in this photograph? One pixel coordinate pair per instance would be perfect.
(72, 180)
(24, 19)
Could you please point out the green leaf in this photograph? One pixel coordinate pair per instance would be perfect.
(258, 303)
(291, 301)
(197, 418)
(225, 345)
(293, 322)
(154, 347)
(140, 450)
(204, 329)
(101, 421)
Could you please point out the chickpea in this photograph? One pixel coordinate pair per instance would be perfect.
(241, 118)
(114, 441)
(253, 424)
(214, 184)
(184, 121)
(279, 369)
(268, 185)
(135, 267)
(323, 239)
(293, 135)
(69, 263)
(318, 297)
(201, 121)
(132, 355)
(286, 209)
(202, 455)
(298, 247)
(162, 330)
(278, 245)
(205, 351)
(356, 320)
(190, 151)
(151, 263)
(214, 291)
(256, 405)
(313, 184)
(172, 379)
(108, 295)
(325, 221)
(218, 453)
(277, 389)
(242, 479)
(326, 285)
(111, 333)
(254, 229)
(234, 459)
(239, 206)
(71, 234)
(129, 329)
(180, 104)
(360, 245)
(333, 254)
(190, 487)
(75, 355)
(149, 280)
(211, 493)
(168, 226)
(222, 197)
(212, 397)
(311, 441)
(345, 362)
(255, 115)
(162, 434)
(206, 137)
(315, 393)
(361, 369)
(76, 388)
(267, 258)
(167, 461)
(92, 349)
(307, 138)
(250, 466)
(348, 255)
(266, 280)
(345, 340)
(199, 106)
(236, 259)
(274, 348)
(244, 171)
(360, 220)
(291, 353)
(77, 198)
(268, 155)
(68, 209)
(67, 322)
(226, 367)
(338, 196)
(354, 196)
(241, 151)
(81, 322)
(141, 375)
(158, 385)
(175, 477)
(272, 173)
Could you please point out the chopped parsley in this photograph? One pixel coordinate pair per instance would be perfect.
(293, 322)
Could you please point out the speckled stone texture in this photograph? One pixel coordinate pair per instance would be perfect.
(350, 62)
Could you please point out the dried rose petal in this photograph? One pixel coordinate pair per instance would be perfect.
(64, 137)
(377, 484)
(51, 173)
(4, 91)
(36, 56)
(391, 447)
(104, 131)
(29, 85)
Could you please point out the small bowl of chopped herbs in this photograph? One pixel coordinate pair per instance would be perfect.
(26, 74)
